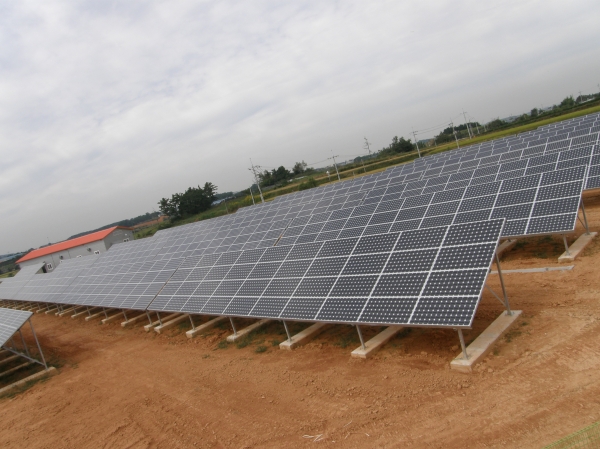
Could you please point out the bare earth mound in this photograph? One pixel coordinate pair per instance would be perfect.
(124, 388)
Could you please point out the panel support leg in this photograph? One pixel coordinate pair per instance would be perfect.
(233, 326)
(148, 315)
(192, 321)
(362, 341)
(506, 304)
(462, 344)
(124, 314)
(38, 345)
(585, 222)
(24, 345)
(159, 320)
(566, 245)
(89, 313)
(105, 314)
(287, 331)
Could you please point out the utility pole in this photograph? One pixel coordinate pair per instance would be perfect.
(253, 203)
(467, 124)
(416, 143)
(454, 132)
(335, 165)
(256, 180)
(367, 146)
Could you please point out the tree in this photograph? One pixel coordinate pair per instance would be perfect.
(193, 201)
(568, 102)
(534, 112)
(299, 168)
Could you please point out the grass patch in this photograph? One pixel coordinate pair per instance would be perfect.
(510, 336)
(223, 344)
(260, 349)
(275, 342)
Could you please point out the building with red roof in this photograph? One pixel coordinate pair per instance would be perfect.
(94, 243)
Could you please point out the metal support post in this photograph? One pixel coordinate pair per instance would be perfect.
(233, 326)
(159, 320)
(462, 344)
(362, 342)
(507, 305)
(192, 321)
(88, 311)
(148, 315)
(587, 229)
(124, 314)
(287, 331)
(105, 314)
(24, 344)
(38, 345)
(566, 245)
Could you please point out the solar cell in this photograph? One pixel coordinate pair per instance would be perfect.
(10, 322)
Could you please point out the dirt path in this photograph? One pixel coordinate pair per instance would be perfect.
(124, 388)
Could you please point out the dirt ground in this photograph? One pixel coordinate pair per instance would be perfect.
(125, 388)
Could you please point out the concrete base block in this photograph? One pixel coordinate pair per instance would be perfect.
(71, 310)
(505, 246)
(82, 312)
(479, 348)
(301, 338)
(577, 247)
(46, 373)
(169, 324)
(12, 370)
(206, 326)
(44, 309)
(149, 327)
(8, 359)
(51, 310)
(93, 316)
(134, 320)
(111, 318)
(247, 330)
(376, 343)
(65, 311)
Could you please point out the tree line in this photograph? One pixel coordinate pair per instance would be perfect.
(193, 201)
(281, 175)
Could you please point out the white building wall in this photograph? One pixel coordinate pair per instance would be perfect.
(101, 246)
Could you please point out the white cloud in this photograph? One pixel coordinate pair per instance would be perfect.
(105, 107)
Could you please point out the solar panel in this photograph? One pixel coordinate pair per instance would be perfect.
(10, 322)
(431, 277)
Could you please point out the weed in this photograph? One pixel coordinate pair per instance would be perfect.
(541, 255)
(346, 340)
(260, 349)
(524, 323)
(223, 344)
(512, 334)
(275, 342)
(496, 351)
(243, 342)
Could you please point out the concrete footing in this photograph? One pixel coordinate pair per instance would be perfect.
(205, 327)
(247, 330)
(577, 247)
(479, 348)
(505, 246)
(111, 318)
(376, 343)
(66, 311)
(51, 310)
(46, 373)
(135, 319)
(93, 316)
(8, 359)
(73, 310)
(169, 324)
(82, 312)
(303, 337)
(12, 370)
(149, 327)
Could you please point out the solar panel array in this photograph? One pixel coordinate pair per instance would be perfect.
(431, 277)
(10, 322)
(10, 287)
(336, 254)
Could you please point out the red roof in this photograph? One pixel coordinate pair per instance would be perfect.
(68, 244)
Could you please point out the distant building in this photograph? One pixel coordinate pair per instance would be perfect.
(95, 243)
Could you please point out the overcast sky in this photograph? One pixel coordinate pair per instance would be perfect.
(106, 107)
